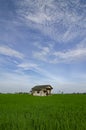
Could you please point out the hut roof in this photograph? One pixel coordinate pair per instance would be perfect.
(40, 87)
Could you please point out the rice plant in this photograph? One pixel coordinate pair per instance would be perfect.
(56, 112)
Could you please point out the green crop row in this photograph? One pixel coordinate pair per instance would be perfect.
(56, 112)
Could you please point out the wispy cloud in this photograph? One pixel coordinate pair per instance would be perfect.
(28, 66)
(5, 50)
(39, 40)
(41, 55)
(50, 55)
(45, 74)
(15, 82)
(42, 52)
(38, 18)
(58, 19)
(70, 55)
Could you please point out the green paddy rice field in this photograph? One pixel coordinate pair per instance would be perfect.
(56, 112)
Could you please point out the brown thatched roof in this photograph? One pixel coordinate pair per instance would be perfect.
(40, 87)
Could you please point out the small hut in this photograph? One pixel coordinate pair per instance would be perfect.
(41, 90)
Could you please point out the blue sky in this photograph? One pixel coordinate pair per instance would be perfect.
(43, 42)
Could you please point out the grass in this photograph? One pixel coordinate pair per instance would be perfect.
(56, 112)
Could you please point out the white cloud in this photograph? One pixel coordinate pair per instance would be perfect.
(46, 75)
(27, 66)
(41, 55)
(5, 50)
(19, 81)
(70, 55)
(50, 55)
(57, 19)
(15, 82)
(38, 18)
(42, 52)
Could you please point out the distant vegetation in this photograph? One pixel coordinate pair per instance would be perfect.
(56, 112)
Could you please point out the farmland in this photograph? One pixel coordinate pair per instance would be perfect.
(56, 112)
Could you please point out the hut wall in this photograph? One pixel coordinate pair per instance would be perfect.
(40, 93)
(49, 91)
